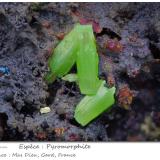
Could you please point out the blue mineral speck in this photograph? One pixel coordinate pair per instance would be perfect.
(4, 70)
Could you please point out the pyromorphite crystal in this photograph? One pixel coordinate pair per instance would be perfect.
(92, 106)
(87, 61)
(63, 56)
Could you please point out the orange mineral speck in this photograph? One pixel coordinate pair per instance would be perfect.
(95, 25)
(125, 97)
(41, 135)
(113, 45)
(60, 36)
(59, 131)
(110, 80)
